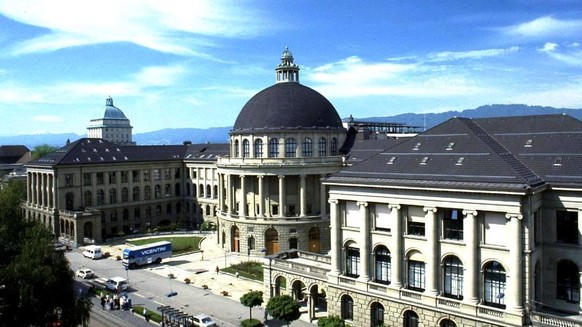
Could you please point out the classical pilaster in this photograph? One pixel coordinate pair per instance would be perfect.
(228, 193)
(365, 242)
(220, 195)
(212, 183)
(335, 237)
(281, 196)
(471, 262)
(396, 256)
(431, 250)
(43, 190)
(302, 196)
(29, 188)
(323, 199)
(515, 289)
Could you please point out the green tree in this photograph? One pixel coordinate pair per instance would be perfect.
(331, 321)
(37, 282)
(41, 150)
(252, 299)
(284, 307)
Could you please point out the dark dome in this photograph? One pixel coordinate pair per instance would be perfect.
(287, 106)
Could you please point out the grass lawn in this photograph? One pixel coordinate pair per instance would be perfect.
(180, 245)
(248, 269)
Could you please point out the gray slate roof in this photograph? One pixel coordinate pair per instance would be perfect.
(509, 153)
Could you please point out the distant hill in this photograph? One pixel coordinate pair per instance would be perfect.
(220, 134)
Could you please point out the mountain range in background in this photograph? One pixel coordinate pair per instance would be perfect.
(220, 134)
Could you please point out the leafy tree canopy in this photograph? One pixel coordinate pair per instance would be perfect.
(37, 284)
(331, 321)
(252, 299)
(41, 150)
(284, 307)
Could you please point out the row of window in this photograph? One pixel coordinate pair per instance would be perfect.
(290, 145)
(124, 176)
(568, 276)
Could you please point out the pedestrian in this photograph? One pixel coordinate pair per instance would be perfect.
(236, 274)
(103, 302)
(217, 270)
(146, 314)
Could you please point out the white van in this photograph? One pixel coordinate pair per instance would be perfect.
(116, 284)
(93, 252)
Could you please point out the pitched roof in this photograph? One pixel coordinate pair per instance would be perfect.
(509, 153)
(10, 154)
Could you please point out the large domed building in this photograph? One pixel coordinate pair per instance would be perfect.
(111, 124)
(285, 139)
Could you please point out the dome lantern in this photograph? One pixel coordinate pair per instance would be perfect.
(287, 71)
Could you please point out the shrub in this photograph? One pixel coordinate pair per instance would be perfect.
(224, 293)
(205, 286)
(187, 280)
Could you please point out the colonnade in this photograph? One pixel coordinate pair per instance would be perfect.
(471, 264)
(41, 189)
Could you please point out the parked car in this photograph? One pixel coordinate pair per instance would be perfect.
(93, 252)
(203, 320)
(116, 284)
(85, 273)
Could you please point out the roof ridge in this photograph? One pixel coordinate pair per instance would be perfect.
(531, 178)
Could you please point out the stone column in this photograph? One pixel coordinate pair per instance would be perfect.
(32, 191)
(228, 185)
(220, 195)
(514, 289)
(50, 191)
(335, 237)
(212, 194)
(281, 196)
(471, 262)
(29, 188)
(261, 212)
(323, 199)
(302, 196)
(365, 242)
(431, 250)
(396, 257)
(43, 190)
(243, 197)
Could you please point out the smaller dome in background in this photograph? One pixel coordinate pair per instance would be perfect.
(110, 111)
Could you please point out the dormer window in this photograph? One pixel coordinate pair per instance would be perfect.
(451, 146)
(558, 162)
(417, 146)
(424, 160)
(391, 161)
(460, 161)
(528, 143)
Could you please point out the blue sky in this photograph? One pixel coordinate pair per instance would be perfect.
(174, 64)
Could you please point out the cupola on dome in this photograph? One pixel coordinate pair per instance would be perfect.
(111, 111)
(287, 104)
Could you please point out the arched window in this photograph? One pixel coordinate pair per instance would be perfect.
(124, 195)
(246, 148)
(177, 189)
(201, 193)
(147, 192)
(307, 147)
(178, 207)
(334, 146)
(322, 147)
(208, 191)
(112, 195)
(235, 149)
(136, 193)
(69, 201)
(447, 323)
(416, 273)
(383, 265)
(410, 319)
(168, 190)
(273, 148)
(352, 261)
(148, 212)
(169, 209)
(100, 197)
(568, 281)
(113, 216)
(125, 214)
(290, 147)
(494, 283)
(157, 191)
(251, 243)
(136, 213)
(377, 314)
(87, 198)
(293, 243)
(215, 191)
(453, 277)
(347, 309)
(258, 148)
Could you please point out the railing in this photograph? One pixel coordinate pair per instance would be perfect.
(283, 162)
(448, 302)
(490, 312)
(378, 288)
(412, 295)
(541, 319)
(347, 280)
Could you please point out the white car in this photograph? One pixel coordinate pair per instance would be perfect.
(85, 273)
(203, 320)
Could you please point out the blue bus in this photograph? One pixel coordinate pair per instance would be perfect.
(146, 254)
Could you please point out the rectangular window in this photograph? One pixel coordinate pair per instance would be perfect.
(382, 217)
(567, 227)
(68, 179)
(290, 148)
(112, 178)
(495, 230)
(87, 179)
(124, 176)
(416, 275)
(100, 179)
(352, 214)
(194, 172)
(135, 176)
(167, 173)
(415, 221)
(146, 175)
(453, 224)
(157, 175)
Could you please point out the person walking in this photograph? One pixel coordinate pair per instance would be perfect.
(103, 302)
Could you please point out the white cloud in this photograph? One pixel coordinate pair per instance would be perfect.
(474, 54)
(173, 26)
(159, 75)
(549, 47)
(571, 56)
(48, 119)
(566, 96)
(546, 27)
